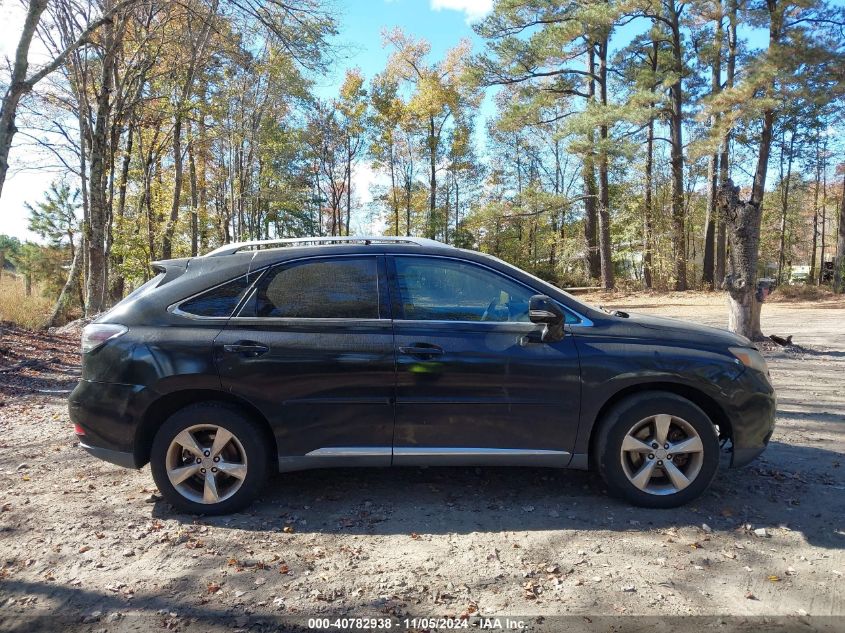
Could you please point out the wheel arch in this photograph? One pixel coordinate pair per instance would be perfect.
(707, 404)
(170, 403)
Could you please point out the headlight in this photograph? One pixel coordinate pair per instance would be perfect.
(95, 334)
(750, 358)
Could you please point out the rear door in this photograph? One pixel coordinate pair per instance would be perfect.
(312, 348)
(474, 383)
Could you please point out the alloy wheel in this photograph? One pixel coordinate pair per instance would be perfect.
(206, 463)
(662, 454)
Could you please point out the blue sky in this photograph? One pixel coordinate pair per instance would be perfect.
(362, 21)
(442, 22)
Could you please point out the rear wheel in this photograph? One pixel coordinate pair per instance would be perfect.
(657, 450)
(209, 458)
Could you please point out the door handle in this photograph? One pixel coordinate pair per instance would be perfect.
(246, 347)
(421, 350)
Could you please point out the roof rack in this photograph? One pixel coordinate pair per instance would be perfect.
(235, 247)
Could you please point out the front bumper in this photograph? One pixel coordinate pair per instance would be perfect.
(752, 417)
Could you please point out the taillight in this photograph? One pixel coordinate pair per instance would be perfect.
(95, 334)
(78, 429)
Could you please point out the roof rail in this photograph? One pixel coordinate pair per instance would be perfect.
(235, 247)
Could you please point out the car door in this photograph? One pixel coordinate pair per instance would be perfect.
(312, 349)
(474, 383)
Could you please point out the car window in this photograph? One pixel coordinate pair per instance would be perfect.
(438, 289)
(219, 301)
(343, 288)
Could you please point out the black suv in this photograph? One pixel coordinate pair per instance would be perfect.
(298, 354)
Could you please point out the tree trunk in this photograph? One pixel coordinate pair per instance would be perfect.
(708, 275)
(170, 227)
(408, 186)
(75, 267)
(192, 175)
(784, 205)
(648, 229)
(745, 216)
(676, 121)
(393, 190)
(604, 182)
(588, 173)
(18, 85)
(348, 183)
(95, 291)
(823, 235)
(432, 150)
(816, 185)
(117, 287)
(839, 259)
(724, 165)
(743, 222)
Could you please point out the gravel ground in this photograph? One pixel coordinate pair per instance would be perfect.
(90, 547)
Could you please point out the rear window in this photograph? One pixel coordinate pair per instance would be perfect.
(219, 301)
(343, 288)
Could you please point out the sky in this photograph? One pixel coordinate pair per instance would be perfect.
(442, 22)
(361, 22)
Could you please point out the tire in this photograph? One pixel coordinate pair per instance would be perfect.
(182, 469)
(647, 476)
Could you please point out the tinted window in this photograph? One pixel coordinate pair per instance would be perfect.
(344, 288)
(448, 290)
(217, 302)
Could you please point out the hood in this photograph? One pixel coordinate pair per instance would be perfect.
(664, 328)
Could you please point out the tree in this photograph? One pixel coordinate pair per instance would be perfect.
(352, 107)
(803, 50)
(839, 260)
(9, 248)
(536, 46)
(55, 219)
(438, 97)
(21, 82)
(387, 115)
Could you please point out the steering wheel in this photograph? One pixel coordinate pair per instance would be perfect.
(490, 306)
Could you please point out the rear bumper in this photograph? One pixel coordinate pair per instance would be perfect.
(126, 460)
(103, 410)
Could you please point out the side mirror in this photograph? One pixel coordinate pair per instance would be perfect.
(543, 311)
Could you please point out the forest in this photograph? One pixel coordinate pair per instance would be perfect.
(657, 144)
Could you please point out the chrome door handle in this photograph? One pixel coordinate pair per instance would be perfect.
(421, 350)
(253, 349)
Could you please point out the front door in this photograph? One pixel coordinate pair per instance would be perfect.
(312, 349)
(474, 384)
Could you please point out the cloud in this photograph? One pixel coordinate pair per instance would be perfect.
(474, 9)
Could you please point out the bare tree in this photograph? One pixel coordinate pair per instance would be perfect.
(21, 82)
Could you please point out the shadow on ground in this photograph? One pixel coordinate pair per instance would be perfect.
(778, 489)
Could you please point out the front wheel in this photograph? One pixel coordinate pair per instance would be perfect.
(209, 458)
(657, 450)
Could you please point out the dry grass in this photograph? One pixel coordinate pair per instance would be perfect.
(652, 298)
(15, 306)
(803, 292)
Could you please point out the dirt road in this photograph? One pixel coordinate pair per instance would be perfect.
(91, 544)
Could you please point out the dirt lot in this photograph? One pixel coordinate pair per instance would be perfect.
(90, 544)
